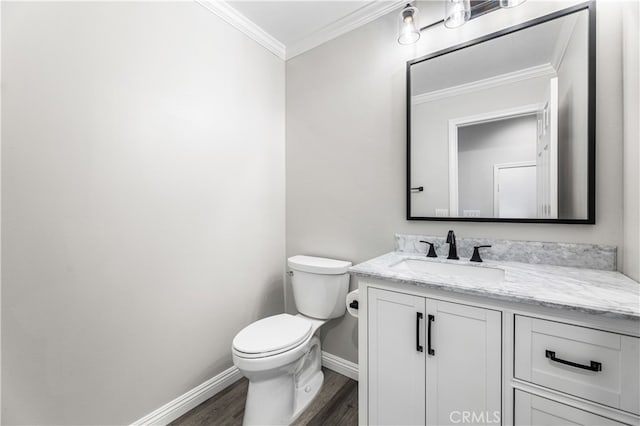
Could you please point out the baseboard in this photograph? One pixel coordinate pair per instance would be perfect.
(340, 365)
(196, 396)
(189, 400)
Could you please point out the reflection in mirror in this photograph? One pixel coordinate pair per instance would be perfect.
(496, 164)
(499, 129)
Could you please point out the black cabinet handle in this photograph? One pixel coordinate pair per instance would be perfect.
(418, 345)
(595, 365)
(417, 189)
(430, 350)
(354, 304)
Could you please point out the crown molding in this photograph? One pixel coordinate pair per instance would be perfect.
(356, 19)
(245, 25)
(545, 70)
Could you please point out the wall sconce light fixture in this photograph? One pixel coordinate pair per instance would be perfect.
(456, 14)
(408, 26)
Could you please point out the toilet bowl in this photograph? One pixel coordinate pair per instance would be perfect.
(281, 355)
(281, 379)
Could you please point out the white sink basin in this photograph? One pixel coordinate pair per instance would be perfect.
(438, 268)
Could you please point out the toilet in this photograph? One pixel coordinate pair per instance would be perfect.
(281, 354)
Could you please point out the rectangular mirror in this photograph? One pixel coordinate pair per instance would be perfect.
(502, 128)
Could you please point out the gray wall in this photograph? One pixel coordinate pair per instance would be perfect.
(480, 147)
(572, 133)
(345, 120)
(143, 204)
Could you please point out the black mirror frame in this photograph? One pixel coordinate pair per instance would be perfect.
(591, 129)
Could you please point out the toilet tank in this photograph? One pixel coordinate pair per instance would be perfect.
(319, 286)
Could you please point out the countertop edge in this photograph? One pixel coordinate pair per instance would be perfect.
(498, 296)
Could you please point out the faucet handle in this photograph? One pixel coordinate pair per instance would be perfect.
(432, 251)
(476, 253)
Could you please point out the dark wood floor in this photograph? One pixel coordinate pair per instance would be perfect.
(336, 405)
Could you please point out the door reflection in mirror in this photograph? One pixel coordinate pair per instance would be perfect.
(488, 159)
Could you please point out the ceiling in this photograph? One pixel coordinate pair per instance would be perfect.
(291, 21)
(303, 24)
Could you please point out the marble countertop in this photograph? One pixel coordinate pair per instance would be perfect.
(606, 293)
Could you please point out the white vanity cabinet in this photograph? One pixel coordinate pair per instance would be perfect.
(535, 410)
(591, 364)
(492, 362)
(431, 361)
(396, 368)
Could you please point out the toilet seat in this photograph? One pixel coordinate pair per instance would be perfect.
(271, 336)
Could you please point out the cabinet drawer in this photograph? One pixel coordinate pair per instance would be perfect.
(534, 410)
(595, 365)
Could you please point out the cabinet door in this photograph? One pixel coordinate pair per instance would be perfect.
(464, 371)
(396, 373)
(534, 410)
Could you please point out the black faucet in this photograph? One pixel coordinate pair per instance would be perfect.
(453, 250)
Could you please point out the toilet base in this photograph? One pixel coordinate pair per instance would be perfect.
(305, 395)
(280, 398)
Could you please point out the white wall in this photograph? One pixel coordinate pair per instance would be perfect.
(346, 152)
(631, 81)
(143, 204)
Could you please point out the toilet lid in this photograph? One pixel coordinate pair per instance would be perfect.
(272, 333)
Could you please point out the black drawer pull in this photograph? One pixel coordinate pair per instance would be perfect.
(430, 350)
(418, 345)
(595, 365)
